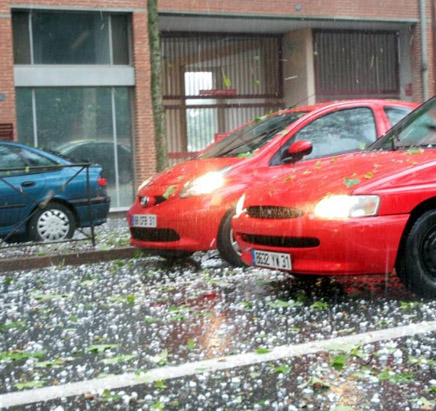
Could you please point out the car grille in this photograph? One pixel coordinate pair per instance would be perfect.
(272, 241)
(154, 234)
(273, 212)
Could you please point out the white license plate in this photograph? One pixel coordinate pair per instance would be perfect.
(145, 220)
(281, 261)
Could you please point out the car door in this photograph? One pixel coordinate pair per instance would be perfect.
(19, 189)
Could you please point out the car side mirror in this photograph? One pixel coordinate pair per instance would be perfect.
(297, 151)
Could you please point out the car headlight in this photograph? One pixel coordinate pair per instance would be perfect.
(205, 184)
(343, 206)
(240, 205)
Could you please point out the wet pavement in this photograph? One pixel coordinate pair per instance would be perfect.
(68, 324)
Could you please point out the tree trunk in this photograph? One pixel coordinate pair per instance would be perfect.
(160, 137)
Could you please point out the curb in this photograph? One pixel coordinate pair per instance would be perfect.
(82, 257)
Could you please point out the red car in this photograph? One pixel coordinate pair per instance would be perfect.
(189, 207)
(356, 213)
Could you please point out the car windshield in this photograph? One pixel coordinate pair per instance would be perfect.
(246, 140)
(418, 129)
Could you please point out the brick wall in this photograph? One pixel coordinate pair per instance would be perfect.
(7, 106)
(335, 8)
(144, 128)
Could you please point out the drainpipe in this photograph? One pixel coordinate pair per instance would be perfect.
(424, 53)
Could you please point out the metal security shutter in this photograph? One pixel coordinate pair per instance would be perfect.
(351, 64)
(214, 83)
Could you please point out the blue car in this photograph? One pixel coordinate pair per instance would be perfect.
(45, 197)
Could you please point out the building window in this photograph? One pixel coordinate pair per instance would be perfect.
(70, 38)
(85, 123)
(21, 35)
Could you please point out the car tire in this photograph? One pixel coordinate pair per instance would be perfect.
(54, 222)
(226, 244)
(416, 262)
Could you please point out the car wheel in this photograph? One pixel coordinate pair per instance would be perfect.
(416, 263)
(226, 243)
(54, 222)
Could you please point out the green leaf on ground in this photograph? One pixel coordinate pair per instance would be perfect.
(99, 348)
(160, 384)
(284, 304)
(29, 384)
(319, 305)
(162, 357)
(47, 297)
(57, 363)
(283, 369)
(17, 355)
(12, 325)
(157, 406)
(119, 359)
(338, 362)
(263, 351)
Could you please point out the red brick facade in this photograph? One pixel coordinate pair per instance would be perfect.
(7, 105)
(144, 129)
(375, 9)
(387, 10)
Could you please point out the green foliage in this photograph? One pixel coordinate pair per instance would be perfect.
(152, 320)
(246, 304)
(169, 191)
(119, 359)
(12, 325)
(162, 357)
(57, 363)
(338, 362)
(227, 82)
(263, 350)
(17, 355)
(351, 182)
(284, 304)
(29, 384)
(109, 396)
(160, 384)
(47, 297)
(99, 348)
(395, 378)
(190, 345)
(283, 369)
(157, 406)
(319, 305)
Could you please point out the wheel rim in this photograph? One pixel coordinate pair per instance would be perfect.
(53, 225)
(235, 244)
(428, 252)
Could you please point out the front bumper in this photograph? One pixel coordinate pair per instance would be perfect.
(189, 224)
(325, 247)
